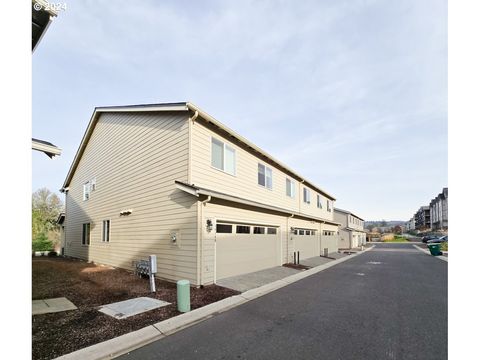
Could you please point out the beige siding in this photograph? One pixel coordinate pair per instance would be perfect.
(244, 183)
(135, 159)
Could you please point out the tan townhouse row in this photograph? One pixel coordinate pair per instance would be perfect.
(170, 180)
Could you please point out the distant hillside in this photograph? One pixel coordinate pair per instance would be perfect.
(384, 223)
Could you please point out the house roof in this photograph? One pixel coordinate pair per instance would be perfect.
(348, 213)
(44, 146)
(187, 107)
(42, 16)
(197, 190)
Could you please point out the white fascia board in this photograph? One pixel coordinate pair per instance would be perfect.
(50, 149)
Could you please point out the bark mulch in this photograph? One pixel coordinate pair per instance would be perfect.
(89, 286)
(297, 266)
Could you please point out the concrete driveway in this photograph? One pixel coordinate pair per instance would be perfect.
(255, 279)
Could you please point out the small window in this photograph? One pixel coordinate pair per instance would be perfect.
(290, 188)
(86, 234)
(328, 206)
(223, 156)
(243, 229)
(258, 230)
(307, 232)
(301, 232)
(319, 202)
(106, 231)
(224, 228)
(272, 231)
(306, 195)
(295, 232)
(86, 191)
(265, 176)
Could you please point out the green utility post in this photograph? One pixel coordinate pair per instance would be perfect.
(183, 295)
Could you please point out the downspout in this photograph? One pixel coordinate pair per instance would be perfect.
(190, 145)
(200, 237)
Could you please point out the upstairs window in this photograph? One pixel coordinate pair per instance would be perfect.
(86, 191)
(319, 202)
(265, 176)
(290, 188)
(306, 195)
(329, 208)
(223, 156)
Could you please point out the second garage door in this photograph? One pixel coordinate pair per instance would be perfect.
(244, 248)
(306, 242)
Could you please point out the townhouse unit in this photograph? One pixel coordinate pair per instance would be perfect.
(422, 218)
(170, 180)
(351, 231)
(439, 211)
(410, 224)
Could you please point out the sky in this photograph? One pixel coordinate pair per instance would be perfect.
(350, 94)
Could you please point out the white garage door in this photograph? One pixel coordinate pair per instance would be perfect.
(243, 248)
(306, 242)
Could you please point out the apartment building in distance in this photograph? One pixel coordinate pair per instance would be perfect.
(439, 211)
(170, 180)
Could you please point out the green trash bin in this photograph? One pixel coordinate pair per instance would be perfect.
(434, 249)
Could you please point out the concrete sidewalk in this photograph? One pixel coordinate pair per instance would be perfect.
(136, 339)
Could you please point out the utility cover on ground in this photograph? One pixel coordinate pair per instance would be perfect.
(51, 305)
(127, 308)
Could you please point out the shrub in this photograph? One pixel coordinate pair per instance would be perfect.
(41, 243)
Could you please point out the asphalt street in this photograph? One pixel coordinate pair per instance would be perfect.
(388, 303)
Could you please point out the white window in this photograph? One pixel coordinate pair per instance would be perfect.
(319, 202)
(86, 191)
(86, 234)
(265, 176)
(290, 188)
(106, 231)
(223, 156)
(328, 206)
(306, 195)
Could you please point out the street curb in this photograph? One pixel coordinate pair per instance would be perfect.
(136, 339)
(444, 258)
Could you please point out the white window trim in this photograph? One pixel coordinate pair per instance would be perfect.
(266, 167)
(234, 156)
(86, 185)
(319, 202)
(89, 234)
(293, 186)
(305, 201)
(109, 230)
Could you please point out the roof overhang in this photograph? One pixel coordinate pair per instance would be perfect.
(197, 191)
(352, 229)
(61, 218)
(48, 148)
(42, 15)
(348, 213)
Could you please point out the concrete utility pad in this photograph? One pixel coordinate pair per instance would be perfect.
(255, 279)
(315, 261)
(127, 308)
(51, 305)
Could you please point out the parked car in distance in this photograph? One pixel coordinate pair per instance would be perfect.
(438, 240)
(427, 238)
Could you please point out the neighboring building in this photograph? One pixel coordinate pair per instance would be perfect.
(422, 218)
(170, 180)
(439, 211)
(410, 225)
(352, 233)
(42, 16)
(44, 146)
